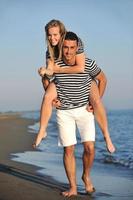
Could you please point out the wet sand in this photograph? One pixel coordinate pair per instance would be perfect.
(19, 181)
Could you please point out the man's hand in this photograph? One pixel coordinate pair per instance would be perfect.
(89, 108)
(56, 103)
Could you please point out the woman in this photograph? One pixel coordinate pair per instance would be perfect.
(55, 33)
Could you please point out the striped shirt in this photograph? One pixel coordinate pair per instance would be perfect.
(80, 46)
(73, 89)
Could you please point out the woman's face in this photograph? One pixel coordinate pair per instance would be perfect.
(54, 35)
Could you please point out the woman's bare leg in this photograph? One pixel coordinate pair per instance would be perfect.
(45, 113)
(100, 115)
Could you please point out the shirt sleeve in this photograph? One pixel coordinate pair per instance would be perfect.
(81, 46)
(92, 68)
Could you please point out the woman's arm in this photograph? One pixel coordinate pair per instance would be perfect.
(54, 68)
(48, 70)
(77, 68)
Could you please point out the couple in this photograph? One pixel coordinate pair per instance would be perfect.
(73, 79)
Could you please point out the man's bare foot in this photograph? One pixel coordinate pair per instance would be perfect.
(109, 144)
(40, 136)
(88, 184)
(69, 193)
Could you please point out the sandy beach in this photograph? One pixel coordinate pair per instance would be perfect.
(15, 182)
(19, 181)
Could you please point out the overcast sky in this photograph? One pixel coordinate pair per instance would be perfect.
(105, 27)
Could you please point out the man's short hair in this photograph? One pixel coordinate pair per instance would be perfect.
(71, 36)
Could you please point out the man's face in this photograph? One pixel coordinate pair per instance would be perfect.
(69, 49)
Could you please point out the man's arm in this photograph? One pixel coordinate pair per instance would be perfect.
(102, 82)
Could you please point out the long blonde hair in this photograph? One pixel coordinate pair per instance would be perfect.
(55, 52)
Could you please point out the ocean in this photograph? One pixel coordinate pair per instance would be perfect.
(48, 156)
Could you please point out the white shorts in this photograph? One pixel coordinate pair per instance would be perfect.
(67, 121)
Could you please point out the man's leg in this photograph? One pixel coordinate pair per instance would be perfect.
(67, 139)
(86, 126)
(88, 158)
(70, 168)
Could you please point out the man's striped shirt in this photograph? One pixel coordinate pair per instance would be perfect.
(73, 89)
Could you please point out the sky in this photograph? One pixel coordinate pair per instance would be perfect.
(105, 27)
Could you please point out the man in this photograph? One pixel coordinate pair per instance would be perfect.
(73, 93)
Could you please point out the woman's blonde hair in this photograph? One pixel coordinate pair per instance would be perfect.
(55, 52)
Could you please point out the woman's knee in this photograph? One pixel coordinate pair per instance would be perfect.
(45, 83)
(95, 99)
(50, 93)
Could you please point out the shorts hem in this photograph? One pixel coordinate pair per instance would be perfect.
(66, 145)
(92, 140)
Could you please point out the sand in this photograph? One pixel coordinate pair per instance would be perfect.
(19, 181)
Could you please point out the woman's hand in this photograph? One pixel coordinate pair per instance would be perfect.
(56, 68)
(42, 71)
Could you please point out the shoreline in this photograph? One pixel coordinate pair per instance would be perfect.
(20, 179)
(16, 138)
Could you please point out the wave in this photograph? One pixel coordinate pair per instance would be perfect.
(128, 163)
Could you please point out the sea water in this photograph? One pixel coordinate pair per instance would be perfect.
(48, 156)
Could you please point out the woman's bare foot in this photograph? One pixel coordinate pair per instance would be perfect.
(69, 193)
(109, 144)
(88, 184)
(40, 136)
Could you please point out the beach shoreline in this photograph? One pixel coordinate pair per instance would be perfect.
(19, 180)
(16, 138)
(22, 180)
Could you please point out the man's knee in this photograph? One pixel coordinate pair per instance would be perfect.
(89, 147)
(69, 151)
